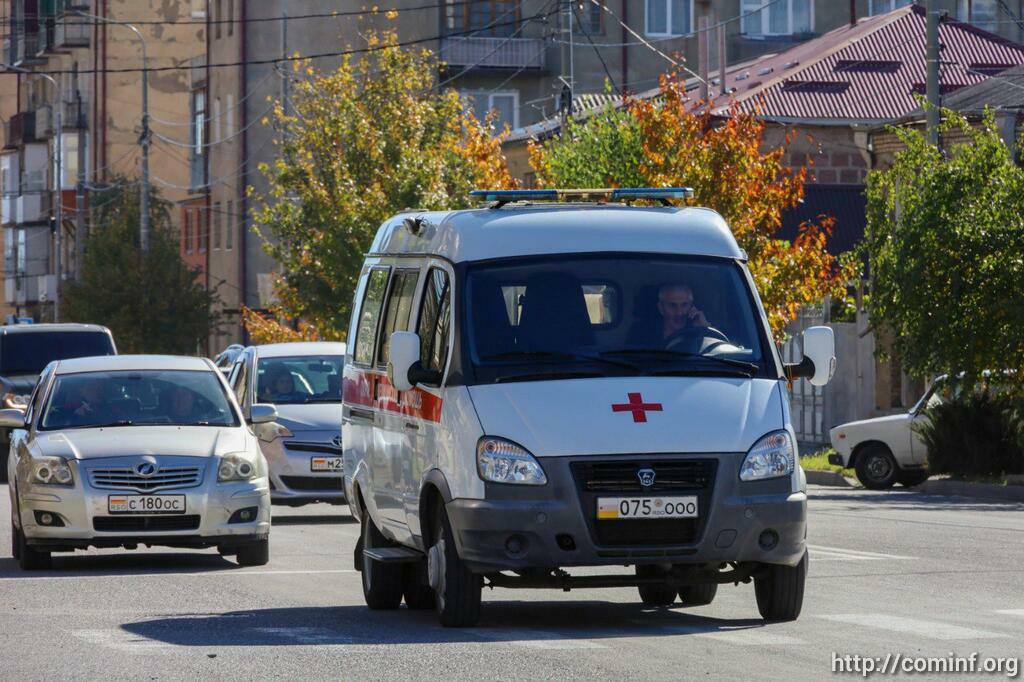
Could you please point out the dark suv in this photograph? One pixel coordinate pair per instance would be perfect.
(25, 349)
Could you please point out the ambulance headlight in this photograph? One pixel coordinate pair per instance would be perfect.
(771, 457)
(502, 461)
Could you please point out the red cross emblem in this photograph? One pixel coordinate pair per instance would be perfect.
(637, 406)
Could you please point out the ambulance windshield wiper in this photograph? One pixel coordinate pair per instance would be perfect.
(547, 356)
(746, 368)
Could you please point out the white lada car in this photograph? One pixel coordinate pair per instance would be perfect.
(303, 445)
(129, 450)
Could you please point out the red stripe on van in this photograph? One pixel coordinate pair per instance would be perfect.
(372, 389)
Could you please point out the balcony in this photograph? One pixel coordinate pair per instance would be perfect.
(8, 210)
(73, 118)
(26, 49)
(22, 289)
(32, 207)
(493, 53)
(71, 31)
(19, 129)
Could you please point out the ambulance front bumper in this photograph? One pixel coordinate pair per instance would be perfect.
(556, 525)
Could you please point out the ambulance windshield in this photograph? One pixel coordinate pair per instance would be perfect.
(559, 317)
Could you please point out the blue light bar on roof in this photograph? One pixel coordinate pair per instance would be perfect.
(504, 196)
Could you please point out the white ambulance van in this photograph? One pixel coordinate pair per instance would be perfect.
(563, 379)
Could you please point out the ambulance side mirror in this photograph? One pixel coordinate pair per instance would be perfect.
(819, 362)
(404, 369)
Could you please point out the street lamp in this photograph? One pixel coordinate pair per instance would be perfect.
(144, 138)
(58, 183)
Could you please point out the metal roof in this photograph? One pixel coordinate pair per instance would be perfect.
(542, 229)
(868, 73)
(871, 72)
(300, 348)
(1004, 91)
(114, 363)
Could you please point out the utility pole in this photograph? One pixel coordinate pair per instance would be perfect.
(80, 194)
(722, 88)
(703, 51)
(59, 210)
(932, 81)
(284, 61)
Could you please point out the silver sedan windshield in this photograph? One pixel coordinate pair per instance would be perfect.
(136, 398)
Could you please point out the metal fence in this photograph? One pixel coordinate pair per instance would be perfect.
(808, 404)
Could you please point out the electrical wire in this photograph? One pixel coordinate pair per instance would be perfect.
(597, 52)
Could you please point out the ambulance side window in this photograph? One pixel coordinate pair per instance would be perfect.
(369, 314)
(435, 320)
(397, 310)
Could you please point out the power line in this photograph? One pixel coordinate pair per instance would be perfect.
(298, 57)
(597, 52)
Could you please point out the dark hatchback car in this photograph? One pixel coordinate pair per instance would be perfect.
(26, 349)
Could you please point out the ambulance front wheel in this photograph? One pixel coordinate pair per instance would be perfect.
(780, 590)
(456, 588)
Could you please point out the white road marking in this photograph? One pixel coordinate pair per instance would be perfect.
(822, 553)
(121, 640)
(200, 574)
(924, 628)
(756, 636)
(1012, 612)
(537, 639)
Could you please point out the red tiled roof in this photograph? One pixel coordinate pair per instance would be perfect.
(868, 72)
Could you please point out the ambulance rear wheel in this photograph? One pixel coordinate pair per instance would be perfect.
(780, 590)
(456, 588)
(382, 583)
(654, 594)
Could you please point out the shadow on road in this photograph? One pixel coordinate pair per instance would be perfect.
(912, 499)
(315, 519)
(86, 565)
(544, 624)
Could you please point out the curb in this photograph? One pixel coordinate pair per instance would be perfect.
(990, 490)
(832, 478)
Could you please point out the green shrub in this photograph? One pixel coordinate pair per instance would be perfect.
(977, 434)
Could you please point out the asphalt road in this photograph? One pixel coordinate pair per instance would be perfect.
(891, 573)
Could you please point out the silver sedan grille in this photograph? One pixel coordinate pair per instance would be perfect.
(122, 478)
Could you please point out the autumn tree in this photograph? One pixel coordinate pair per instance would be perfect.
(152, 302)
(358, 144)
(670, 142)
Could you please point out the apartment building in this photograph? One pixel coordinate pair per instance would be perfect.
(96, 63)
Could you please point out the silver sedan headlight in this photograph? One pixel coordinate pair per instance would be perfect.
(772, 456)
(236, 467)
(15, 401)
(52, 471)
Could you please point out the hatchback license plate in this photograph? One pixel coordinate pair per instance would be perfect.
(646, 507)
(325, 464)
(146, 504)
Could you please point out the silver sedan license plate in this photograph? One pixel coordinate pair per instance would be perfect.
(646, 507)
(146, 504)
(325, 464)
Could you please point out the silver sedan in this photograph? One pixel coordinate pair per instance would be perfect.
(126, 450)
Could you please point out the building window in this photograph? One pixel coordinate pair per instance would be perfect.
(883, 6)
(982, 13)
(669, 17)
(781, 18)
(202, 231)
(216, 121)
(590, 19)
(198, 9)
(504, 103)
(217, 222)
(229, 118)
(483, 17)
(187, 231)
(229, 236)
(68, 160)
(197, 158)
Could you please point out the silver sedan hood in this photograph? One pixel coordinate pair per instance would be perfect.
(186, 441)
(312, 417)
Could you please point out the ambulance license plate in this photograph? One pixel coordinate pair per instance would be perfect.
(646, 507)
(325, 464)
(146, 504)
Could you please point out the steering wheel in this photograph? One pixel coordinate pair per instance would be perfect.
(688, 335)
